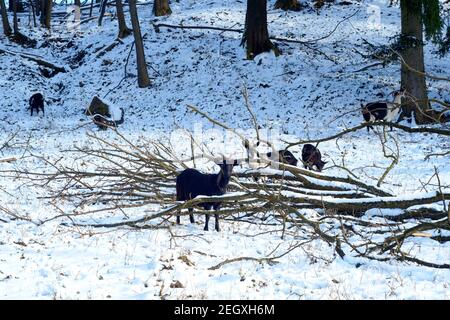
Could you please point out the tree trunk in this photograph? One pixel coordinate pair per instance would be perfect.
(48, 13)
(33, 13)
(5, 21)
(256, 35)
(37, 6)
(292, 5)
(102, 11)
(161, 8)
(123, 29)
(413, 82)
(15, 23)
(42, 11)
(91, 8)
(143, 79)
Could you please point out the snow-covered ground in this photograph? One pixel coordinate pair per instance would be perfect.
(301, 94)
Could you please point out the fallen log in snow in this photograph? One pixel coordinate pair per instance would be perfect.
(39, 61)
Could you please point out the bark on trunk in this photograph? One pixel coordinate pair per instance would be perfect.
(37, 5)
(256, 35)
(102, 11)
(33, 13)
(143, 79)
(161, 8)
(46, 13)
(292, 5)
(413, 82)
(15, 23)
(6, 26)
(123, 29)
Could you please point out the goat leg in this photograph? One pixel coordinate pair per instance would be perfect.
(217, 222)
(191, 215)
(206, 222)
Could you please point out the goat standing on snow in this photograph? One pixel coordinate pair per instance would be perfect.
(311, 157)
(36, 102)
(192, 183)
(383, 110)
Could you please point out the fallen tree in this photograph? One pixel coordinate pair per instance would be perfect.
(40, 61)
(127, 176)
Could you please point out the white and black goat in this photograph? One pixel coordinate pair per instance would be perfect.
(192, 183)
(383, 110)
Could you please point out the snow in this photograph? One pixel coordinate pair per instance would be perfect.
(299, 95)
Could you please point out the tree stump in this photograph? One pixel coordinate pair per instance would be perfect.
(97, 106)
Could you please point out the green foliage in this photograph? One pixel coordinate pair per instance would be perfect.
(444, 43)
(432, 19)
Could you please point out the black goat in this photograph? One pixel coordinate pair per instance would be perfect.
(192, 183)
(104, 123)
(383, 110)
(285, 156)
(311, 157)
(36, 102)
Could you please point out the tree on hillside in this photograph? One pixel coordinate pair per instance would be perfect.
(15, 22)
(6, 26)
(18, 4)
(293, 5)
(256, 35)
(103, 5)
(161, 8)
(123, 29)
(46, 13)
(415, 15)
(143, 79)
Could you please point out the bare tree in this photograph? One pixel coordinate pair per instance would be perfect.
(417, 16)
(123, 29)
(161, 8)
(6, 26)
(256, 34)
(413, 55)
(103, 4)
(46, 13)
(143, 79)
(15, 23)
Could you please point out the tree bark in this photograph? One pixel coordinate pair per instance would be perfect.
(161, 8)
(15, 23)
(413, 55)
(19, 5)
(37, 5)
(102, 11)
(143, 79)
(46, 13)
(123, 29)
(256, 34)
(6, 26)
(292, 5)
(33, 12)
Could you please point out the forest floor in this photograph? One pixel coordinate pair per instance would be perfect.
(310, 91)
